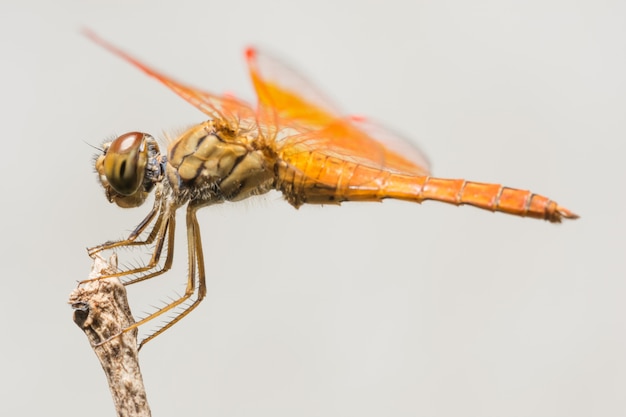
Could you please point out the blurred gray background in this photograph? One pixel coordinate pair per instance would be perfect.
(389, 309)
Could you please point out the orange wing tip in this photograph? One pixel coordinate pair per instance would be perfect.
(94, 37)
(358, 118)
(250, 53)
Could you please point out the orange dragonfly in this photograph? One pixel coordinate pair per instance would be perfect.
(293, 141)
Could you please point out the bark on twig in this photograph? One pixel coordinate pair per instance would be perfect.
(101, 310)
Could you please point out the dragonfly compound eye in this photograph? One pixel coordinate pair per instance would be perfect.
(125, 162)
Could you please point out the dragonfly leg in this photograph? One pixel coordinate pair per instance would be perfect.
(170, 227)
(163, 229)
(131, 239)
(196, 283)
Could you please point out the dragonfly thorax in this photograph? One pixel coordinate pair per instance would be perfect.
(129, 167)
(212, 163)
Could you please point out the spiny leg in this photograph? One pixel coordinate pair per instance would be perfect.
(141, 227)
(156, 255)
(164, 228)
(196, 268)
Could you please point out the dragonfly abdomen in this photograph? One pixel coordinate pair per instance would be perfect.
(322, 179)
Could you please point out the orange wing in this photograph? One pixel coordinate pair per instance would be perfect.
(289, 101)
(236, 112)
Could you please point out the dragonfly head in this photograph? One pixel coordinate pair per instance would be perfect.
(129, 167)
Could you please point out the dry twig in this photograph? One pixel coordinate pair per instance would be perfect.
(101, 310)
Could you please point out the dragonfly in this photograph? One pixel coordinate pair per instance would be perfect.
(294, 141)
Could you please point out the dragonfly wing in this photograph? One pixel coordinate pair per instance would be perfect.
(401, 154)
(286, 96)
(359, 141)
(288, 100)
(227, 108)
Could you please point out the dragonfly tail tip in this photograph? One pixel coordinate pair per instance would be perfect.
(566, 214)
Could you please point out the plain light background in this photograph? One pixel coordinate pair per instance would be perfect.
(389, 309)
